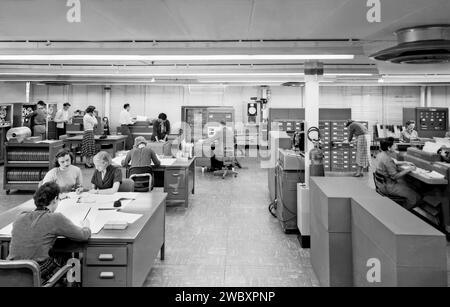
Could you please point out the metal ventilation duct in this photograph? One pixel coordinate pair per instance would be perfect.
(419, 45)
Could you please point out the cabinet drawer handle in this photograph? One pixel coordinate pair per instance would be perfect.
(176, 175)
(106, 275)
(175, 193)
(105, 257)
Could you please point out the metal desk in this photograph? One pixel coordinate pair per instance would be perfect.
(126, 255)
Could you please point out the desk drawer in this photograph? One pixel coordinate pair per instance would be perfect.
(175, 178)
(175, 194)
(104, 276)
(106, 255)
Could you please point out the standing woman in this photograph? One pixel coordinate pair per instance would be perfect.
(362, 145)
(88, 142)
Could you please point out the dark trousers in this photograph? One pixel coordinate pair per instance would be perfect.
(129, 141)
(60, 131)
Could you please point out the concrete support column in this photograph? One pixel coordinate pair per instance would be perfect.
(313, 73)
(423, 96)
(107, 102)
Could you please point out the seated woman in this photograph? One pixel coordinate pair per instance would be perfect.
(35, 232)
(67, 176)
(107, 178)
(394, 183)
(141, 154)
(409, 134)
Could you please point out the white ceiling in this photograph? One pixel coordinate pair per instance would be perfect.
(204, 26)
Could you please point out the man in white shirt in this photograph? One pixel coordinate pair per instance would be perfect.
(61, 119)
(126, 121)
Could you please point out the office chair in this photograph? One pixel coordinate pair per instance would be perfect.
(142, 177)
(26, 273)
(229, 163)
(127, 185)
(379, 180)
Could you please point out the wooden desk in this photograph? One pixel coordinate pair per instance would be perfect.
(127, 254)
(109, 140)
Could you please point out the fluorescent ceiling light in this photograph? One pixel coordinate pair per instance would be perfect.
(414, 79)
(125, 74)
(208, 57)
(350, 74)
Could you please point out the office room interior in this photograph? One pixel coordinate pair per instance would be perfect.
(225, 143)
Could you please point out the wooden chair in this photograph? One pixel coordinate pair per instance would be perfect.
(26, 273)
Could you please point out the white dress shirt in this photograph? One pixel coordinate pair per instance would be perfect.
(125, 118)
(61, 117)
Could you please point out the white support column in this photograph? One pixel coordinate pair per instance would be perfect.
(428, 100)
(107, 102)
(311, 105)
(423, 97)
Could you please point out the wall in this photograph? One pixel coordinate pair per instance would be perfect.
(374, 104)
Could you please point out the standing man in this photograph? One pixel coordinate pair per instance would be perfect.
(362, 145)
(39, 118)
(161, 128)
(61, 119)
(126, 121)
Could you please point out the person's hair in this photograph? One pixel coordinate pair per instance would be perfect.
(409, 122)
(386, 143)
(66, 104)
(62, 153)
(104, 157)
(222, 122)
(40, 102)
(126, 105)
(90, 109)
(45, 194)
(162, 116)
(349, 122)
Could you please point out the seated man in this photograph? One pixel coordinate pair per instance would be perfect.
(394, 183)
(224, 148)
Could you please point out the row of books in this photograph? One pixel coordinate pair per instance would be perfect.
(25, 175)
(18, 155)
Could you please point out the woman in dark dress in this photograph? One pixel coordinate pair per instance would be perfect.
(107, 178)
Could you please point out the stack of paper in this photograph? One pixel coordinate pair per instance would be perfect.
(98, 218)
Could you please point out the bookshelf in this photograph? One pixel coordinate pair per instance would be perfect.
(27, 163)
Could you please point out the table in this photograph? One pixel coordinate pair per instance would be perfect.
(109, 140)
(113, 258)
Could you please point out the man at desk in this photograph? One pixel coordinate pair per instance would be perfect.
(141, 154)
(409, 134)
(394, 183)
(224, 148)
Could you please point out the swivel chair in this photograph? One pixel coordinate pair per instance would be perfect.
(229, 163)
(379, 180)
(26, 273)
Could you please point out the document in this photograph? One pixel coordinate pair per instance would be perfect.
(7, 230)
(167, 161)
(75, 212)
(432, 147)
(98, 218)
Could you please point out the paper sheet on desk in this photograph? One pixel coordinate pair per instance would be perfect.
(430, 175)
(73, 211)
(98, 218)
(167, 161)
(118, 160)
(431, 147)
(7, 230)
(106, 201)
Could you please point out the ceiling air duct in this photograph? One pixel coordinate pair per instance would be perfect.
(419, 45)
(293, 84)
